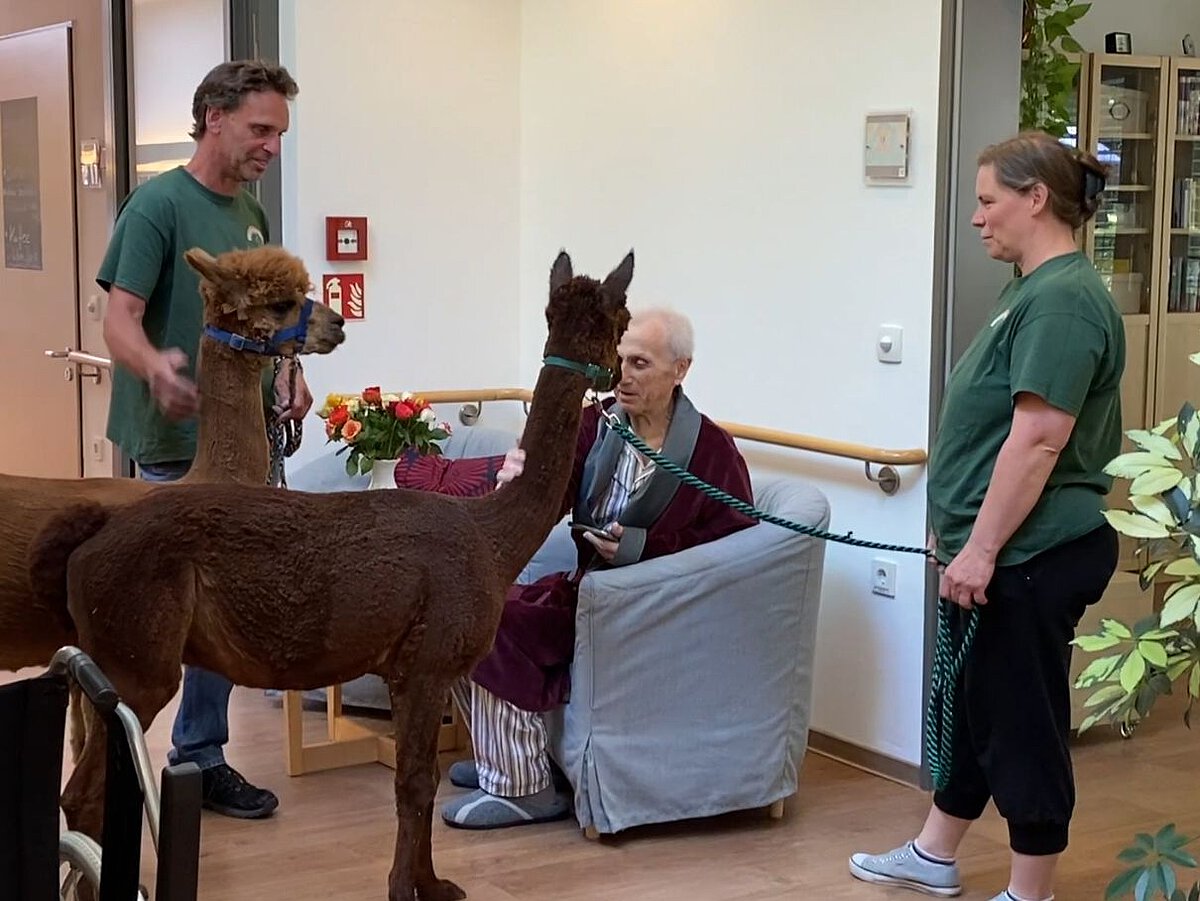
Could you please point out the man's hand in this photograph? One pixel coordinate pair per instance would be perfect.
(605, 548)
(175, 394)
(966, 579)
(513, 466)
(289, 405)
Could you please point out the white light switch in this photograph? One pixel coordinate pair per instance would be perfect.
(890, 345)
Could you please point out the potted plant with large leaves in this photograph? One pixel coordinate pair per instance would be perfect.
(1049, 76)
(1140, 662)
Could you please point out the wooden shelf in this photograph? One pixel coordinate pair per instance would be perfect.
(1136, 318)
(1127, 136)
(1192, 232)
(1122, 231)
(1125, 189)
(1188, 138)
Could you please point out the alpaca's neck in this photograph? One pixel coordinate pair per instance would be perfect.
(231, 439)
(521, 515)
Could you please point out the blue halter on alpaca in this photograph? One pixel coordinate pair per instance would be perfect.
(271, 346)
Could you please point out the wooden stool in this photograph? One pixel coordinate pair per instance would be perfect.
(351, 740)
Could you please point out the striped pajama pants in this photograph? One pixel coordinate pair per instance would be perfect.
(510, 743)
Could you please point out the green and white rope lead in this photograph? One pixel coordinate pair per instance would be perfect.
(947, 660)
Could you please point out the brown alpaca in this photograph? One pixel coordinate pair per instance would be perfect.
(254, 293)
(289, 590)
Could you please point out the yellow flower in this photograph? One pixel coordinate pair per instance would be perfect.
(331, 401)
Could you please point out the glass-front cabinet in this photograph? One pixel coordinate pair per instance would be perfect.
(1179, 379)
(1126, 115)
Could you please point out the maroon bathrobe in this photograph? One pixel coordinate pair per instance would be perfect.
(529, 664)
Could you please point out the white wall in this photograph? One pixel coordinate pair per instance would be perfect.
(408, 114)
(723, 142)
(175, 44)
(1156, 27)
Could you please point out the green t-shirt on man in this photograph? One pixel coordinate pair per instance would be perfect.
(1055, 333)
(156, 224)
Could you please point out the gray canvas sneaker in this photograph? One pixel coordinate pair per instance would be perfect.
(906, 868)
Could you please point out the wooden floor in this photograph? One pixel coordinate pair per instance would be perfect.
(332, 837)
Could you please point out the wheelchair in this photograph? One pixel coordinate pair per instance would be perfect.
(34, 853)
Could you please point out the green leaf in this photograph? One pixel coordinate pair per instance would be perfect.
(1136, 525)
(1097, 671)
(1115, 627)
(1166, 878)
(1155, 444)
(1071, 45)
(1194, 682)
(1153, 652)
(1175, 855)
(1156, 481)
(1093, 643)
(1153, 506)
(1186, 566)
(1180, 606)
(1106, 694)
(1132, 672)
(351, 465)
(1133, 464)
(1141, 888)
(1123, 883)
(1133, 855)
(1146, 576)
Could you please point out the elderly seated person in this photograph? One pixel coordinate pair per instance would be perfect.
(647, 513)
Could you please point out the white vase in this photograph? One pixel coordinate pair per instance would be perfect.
(383, 475)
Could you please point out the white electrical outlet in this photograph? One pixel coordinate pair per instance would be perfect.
(883, 577)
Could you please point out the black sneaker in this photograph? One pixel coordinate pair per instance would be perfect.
(227, 793)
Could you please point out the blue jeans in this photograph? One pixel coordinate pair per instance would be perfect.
(201, 728)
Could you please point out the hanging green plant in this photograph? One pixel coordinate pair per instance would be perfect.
(1049, 77)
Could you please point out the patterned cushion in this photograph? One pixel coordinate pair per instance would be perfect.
(469, 477)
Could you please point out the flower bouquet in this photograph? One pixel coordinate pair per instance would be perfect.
(378, 426)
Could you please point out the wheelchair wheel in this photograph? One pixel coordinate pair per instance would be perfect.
(79, 857)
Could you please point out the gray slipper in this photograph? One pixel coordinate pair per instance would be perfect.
(479, 810)
(463, 774)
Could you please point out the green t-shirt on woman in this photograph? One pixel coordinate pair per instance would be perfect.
(1055, 333)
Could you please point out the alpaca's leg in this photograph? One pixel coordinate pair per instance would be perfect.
(429, 887)
(417, 706)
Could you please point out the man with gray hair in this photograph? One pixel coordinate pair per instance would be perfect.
(626, 510)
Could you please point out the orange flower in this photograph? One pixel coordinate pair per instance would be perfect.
(372, 396)
(350, 431)
(338, 415)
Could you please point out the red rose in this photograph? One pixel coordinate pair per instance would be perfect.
(401, 410)
(338, 415)
(372, 396)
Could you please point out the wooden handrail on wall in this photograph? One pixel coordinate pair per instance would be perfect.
(888, 479)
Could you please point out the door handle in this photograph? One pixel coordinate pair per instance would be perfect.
(78, 360)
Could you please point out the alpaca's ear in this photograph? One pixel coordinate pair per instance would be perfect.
(204, 263)
(560, 272)
(618, 280)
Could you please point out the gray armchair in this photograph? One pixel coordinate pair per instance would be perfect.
(692, 677)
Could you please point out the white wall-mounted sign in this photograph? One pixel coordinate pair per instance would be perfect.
(885, 156)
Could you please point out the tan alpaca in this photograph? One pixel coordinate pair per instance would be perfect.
(254, 293)
(289, 590)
